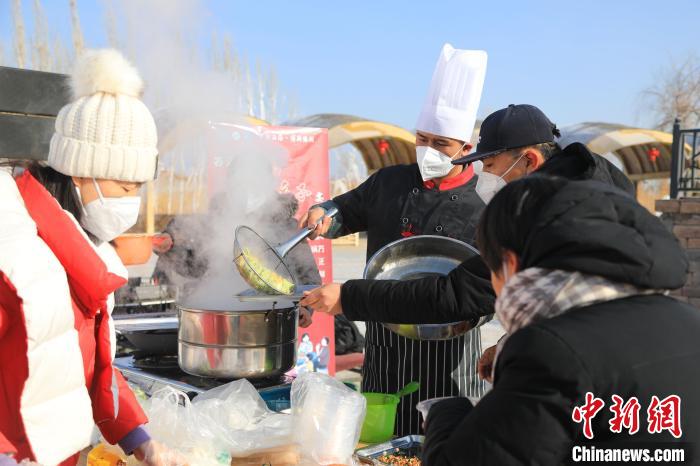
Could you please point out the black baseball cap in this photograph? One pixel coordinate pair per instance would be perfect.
(509, 128)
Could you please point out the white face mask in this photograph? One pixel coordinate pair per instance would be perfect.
(489, 184)
(109, 217)
(432, 163)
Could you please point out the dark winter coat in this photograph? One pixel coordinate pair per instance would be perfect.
(640, 346)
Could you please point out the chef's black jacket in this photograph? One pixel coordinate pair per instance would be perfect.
(395, 203)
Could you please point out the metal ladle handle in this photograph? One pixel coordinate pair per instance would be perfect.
(284, 248)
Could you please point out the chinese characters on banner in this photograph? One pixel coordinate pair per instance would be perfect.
(305, 175)
(662, 415)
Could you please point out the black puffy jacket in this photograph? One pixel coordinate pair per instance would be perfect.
(639, 346)
(466, 293)
(576, 162)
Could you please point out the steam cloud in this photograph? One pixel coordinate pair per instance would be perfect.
(187, 97)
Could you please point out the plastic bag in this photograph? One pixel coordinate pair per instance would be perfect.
(237, 416)
(174, 422)
(327, 418)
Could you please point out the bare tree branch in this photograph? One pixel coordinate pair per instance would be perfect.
(40, 42)
(272, 96)
(676, 94)
(20, 38)
(78, 41)
(111, 25)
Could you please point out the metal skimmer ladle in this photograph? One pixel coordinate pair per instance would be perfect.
(261, 265)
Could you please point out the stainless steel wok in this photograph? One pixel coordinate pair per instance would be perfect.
(418, 257)
(251, 339)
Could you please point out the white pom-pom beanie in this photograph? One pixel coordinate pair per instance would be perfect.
(106, 132)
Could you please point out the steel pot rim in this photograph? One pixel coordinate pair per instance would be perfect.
(201, 345)
(238, 312)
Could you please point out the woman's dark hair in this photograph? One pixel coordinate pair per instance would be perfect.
(60, 186)
(508, 219)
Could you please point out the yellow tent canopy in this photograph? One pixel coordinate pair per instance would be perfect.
(626, 147)
(368, 136)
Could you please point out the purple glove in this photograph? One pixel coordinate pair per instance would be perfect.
(7, 461)
(131, 441)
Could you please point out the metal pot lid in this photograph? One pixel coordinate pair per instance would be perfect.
(144, 324)
(418, 257)
(254, 296)
(236, 305)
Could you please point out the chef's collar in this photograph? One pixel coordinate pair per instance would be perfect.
(454, 182)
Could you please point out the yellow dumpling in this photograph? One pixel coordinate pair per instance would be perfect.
(265, 280)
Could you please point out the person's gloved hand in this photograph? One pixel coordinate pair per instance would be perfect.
(152, 453)
(6, 460)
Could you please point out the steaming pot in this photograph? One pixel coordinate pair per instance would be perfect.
(251, 339)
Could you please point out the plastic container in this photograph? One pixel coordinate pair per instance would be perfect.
(425, 405)
(327, 418)
(105, 455)
(381, 416)
(278, 399)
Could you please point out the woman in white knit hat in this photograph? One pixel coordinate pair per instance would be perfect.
(58, 272)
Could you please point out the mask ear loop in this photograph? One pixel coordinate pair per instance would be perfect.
(514, 163)
(99, 191)
(79, 196)
(504, 271)
(458, 150)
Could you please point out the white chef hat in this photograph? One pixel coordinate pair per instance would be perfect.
(455, 91)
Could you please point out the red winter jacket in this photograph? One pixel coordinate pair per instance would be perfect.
(56, 336)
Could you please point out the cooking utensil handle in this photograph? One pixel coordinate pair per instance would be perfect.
(287, 246)
(408, 389)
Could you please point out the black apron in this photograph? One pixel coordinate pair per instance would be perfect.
(392, 204)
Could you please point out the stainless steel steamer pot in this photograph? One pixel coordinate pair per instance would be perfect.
(418, 257)
(251, 339)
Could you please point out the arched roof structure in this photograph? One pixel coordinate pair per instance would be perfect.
(627, 147)
(367, 136)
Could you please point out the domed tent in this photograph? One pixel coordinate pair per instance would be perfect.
(641, 153)
(380, 144)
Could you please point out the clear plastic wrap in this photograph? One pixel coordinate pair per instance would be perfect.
(175, 422)
(239, 419)
(327, 418)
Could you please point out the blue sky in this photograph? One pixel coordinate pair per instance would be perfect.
(578, 61)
